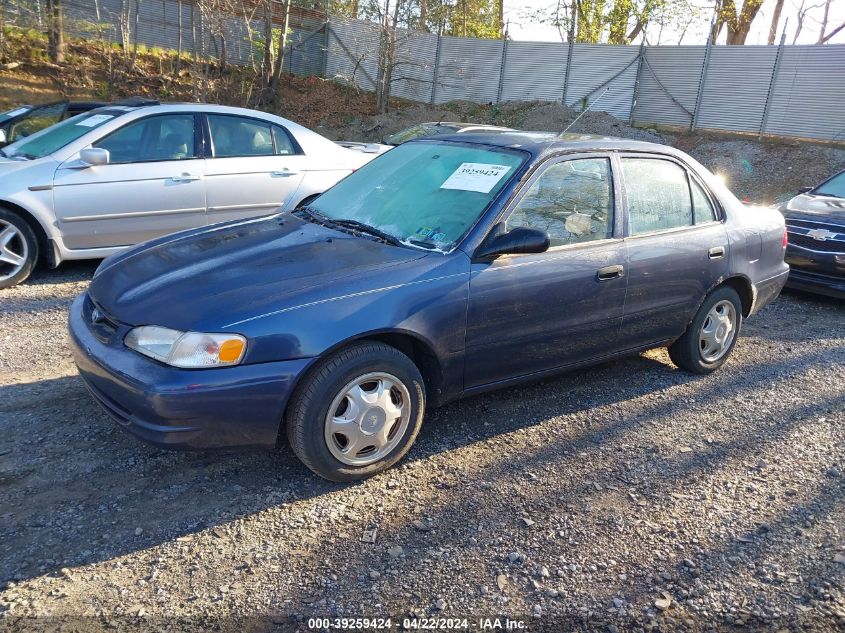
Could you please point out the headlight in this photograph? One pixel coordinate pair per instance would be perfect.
(189, 350)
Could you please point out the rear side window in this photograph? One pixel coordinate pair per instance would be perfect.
(704, 211)
(658, 195)
(155, 138)
(233, 136)
(572, 201)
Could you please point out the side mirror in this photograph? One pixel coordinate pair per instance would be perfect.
(94, 156)
(3, 137)
(804, 190)
(517, 241)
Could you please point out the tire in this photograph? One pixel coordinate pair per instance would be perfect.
(364, 385)
(18, 249)
(703, 349)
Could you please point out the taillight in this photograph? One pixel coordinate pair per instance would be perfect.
(784, 240)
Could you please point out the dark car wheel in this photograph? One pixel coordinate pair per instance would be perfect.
(711, 336)
(357, 412)
(18, 249)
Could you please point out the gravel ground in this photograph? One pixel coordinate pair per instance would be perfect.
(630, 496)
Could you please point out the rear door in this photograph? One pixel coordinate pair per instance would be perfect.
(536, 312)
(153, 185)
(253, 166)
(676, 245)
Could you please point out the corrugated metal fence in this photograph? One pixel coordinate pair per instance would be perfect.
(789, 90)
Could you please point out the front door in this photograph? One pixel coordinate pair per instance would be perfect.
(254, 166)
(153, 185)
(531, 313)
(677, 248)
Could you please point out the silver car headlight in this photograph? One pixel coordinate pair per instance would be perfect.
(188, 350)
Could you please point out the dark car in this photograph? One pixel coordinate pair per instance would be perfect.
(444, 268)
(815, 222)
(24, 120)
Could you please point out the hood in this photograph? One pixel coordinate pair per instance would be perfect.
(814, 207)
(204, 279)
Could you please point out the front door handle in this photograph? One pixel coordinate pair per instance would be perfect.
(186, 177)
(286, 172)
(611, 272)
(716, 252)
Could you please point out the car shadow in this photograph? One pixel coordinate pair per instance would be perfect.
(78, 489)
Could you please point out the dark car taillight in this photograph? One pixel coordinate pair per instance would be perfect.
(783, 242)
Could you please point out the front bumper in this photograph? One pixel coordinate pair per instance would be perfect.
(817, 272)
(230, 407)
(816, 283)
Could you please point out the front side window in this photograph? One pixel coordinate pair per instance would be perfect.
(426, 194)
(572, 201)
(238, 136)
(57, 136)
(658, 195)
(835, 187)
(155, 138)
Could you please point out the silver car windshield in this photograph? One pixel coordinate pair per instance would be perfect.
(423, 194)
(57, 136)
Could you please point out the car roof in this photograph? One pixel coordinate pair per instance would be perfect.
(544, 142)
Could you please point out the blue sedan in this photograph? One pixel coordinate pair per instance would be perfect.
(444, 268)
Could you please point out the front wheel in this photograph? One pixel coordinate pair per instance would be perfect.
(711, 336)
(357, 412)
(18, 249)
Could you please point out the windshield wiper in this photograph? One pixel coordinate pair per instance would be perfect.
(318, 218)
(366, 228)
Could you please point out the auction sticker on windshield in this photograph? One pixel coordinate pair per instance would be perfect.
(95, 120)
(479, 177)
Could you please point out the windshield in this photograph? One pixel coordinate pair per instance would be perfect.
(417, 131)
(834, 187)
(57, 136)
(424, 194)
(11, 114)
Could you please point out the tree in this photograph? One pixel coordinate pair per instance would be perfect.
(802, 16)
(773, 29)
(738, 23)
(825, 36)
(55, 31)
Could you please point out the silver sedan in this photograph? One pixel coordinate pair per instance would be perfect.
(94, 184)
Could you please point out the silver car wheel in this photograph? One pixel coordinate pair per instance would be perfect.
(718, 331)
(13, 250)
(367, 419)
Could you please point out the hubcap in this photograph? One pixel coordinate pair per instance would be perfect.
(13, 250)
(717, 331)
(367, 419)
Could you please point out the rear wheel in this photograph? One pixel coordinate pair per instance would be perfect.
(18, 249)
(711, 336)
(356, 413)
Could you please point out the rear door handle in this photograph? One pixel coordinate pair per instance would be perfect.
(611, 272)
(286, 172)
(716, 252)
(185, 178)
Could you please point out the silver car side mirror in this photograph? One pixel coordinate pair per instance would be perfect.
(3, 136)
(94, 156)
